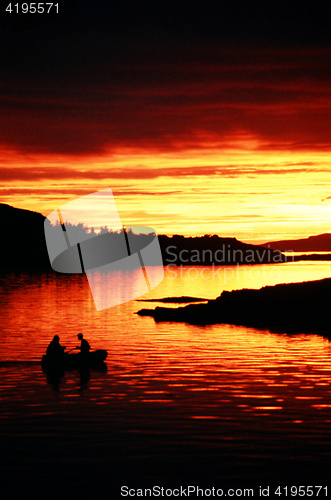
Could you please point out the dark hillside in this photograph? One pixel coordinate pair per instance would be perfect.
(23, 245)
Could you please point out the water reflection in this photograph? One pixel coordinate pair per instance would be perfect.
(55, 376)
(219, 384)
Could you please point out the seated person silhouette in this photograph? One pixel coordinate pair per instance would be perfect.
(84, 345)
(55, 349)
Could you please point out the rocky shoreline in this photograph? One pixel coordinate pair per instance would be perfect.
(291, 308)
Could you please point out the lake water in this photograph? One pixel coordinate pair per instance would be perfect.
(217, 406)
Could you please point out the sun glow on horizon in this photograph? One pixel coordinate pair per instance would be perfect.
(241, 189)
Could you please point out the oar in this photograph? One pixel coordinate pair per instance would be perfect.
(71, 350)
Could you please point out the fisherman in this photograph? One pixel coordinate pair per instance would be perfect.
(55, 349)
(84, 345)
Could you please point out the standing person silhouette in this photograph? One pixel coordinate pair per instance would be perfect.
(84, 345)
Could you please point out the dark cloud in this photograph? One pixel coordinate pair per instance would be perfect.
(165, 76)
(186, 109)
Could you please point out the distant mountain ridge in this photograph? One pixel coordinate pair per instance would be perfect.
(319, 243)
(209, 250)
(23, 246)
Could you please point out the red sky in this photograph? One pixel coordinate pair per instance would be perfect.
(193, 132)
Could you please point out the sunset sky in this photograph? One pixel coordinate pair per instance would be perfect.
(201, 116)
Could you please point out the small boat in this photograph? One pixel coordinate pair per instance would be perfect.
(94, 359)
